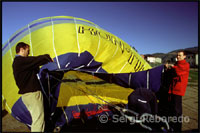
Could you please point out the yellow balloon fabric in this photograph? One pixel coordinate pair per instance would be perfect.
(64, 34)
(87, 88)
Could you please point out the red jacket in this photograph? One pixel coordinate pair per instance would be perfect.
(179, 83)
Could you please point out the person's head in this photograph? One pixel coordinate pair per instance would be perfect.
(22, 49)
(181, 55)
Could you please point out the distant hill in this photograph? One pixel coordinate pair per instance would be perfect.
(187, 50)
(161, 55)
(169, 56)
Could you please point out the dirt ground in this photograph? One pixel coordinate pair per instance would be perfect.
(190, 113)
(190, 107)
(10, 124)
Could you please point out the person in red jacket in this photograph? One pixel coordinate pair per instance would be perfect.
(178, 87)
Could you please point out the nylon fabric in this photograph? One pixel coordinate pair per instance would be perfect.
(81, 86)
(103, 51)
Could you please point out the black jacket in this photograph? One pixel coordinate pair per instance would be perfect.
(25, 71)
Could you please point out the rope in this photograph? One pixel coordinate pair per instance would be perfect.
(79, 51)
(123, 111)
(147, 79)
(29, 30)
(98, 69)
(42, 86)
(129, 80)
(123, 67)
(48, 87)
(99, 42)
(54, 43)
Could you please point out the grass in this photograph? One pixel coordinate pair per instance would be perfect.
(155, 64)
(193, 75)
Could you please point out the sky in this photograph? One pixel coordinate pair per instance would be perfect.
(150, 27)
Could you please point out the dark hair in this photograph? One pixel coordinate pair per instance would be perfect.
(21, 45)
(184, 52)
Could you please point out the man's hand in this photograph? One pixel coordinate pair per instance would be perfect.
(49, 58)
(166, 65)
(169, 66)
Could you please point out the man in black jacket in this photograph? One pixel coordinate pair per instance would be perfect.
(25, 69)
